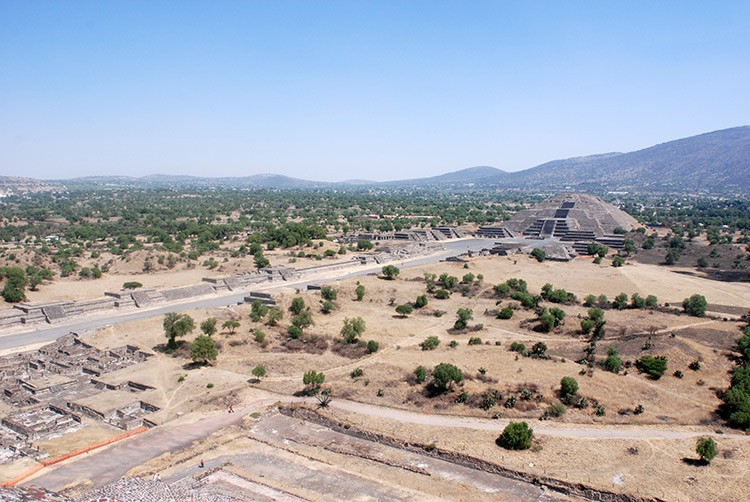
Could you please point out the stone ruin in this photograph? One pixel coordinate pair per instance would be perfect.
(574, 218)
(50, 390)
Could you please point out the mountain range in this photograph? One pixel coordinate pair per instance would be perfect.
(714, 162)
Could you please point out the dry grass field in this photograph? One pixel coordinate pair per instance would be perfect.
(646, 467)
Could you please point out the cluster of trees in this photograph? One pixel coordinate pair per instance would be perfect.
(17, 279)
(736, 405)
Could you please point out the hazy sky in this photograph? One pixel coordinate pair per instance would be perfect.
(379, 90)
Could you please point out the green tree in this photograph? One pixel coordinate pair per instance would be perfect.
(390, 272)
(464, 315)
(260, 260)
(706, 449)
(303, 319)
(208, 327)
(516, 436)
(328, 293)
(275, 314)
(612, 363)
(430, 343)
(327, 307)
(364, 245)
(695, 305)
(360, 292)
(372, 346)
(230, 326)
(421, 302)
(15, 284)
(203, 349)
(132, 285)
(539, 254)
(420, 373)
(298, 305)
(449, 282)
(404, 310)
(621, 301)
(505, 313)
(313, 380)
(568, 389)
(258, 310)
(176, 325)
(353, 329)
(259, 371)
(444, 375)
(654, 366)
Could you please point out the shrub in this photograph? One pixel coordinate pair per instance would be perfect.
(420, 373)
(430, 343)
(654, 366)
(516, 436)
(637, 301)
(518, 347)
(706, 449)
(390, 272)
(259, 371)
(404, 310)
(556, 410)
(695, 305)
(132, 285)
(568, 389)
(357, 372)
(327, 307)
(695, 365)
(421, 302)
(360, 292)
(442, 294)
(612, 363)
(298, 305)
(372, 347)
(620, 302)
(444, 375)
(539, 254)
(328, 293)
(294, 332)
(505, 313)
(260, 336)
(353, 329)
(475, 341)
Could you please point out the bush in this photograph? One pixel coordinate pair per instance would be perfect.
(695, 305)
(516, 436)
(654, 366)
(568, 389)
(372, 347)
(327, 307)
(294, 332)
(404, 310)
(620, 302)
(328, 293)
(260, 336)
(390, 272)
(442, 294)
(505, 313)
(518, 347)
(360, 292)
(421, 302)
(430, 343)
(612, 363)
(475, 341)
(353, 329)
(695, 365)
(556, 410)
(444, 375)
(420, 373)
(539, 254)
(357, 372)
(706, 449)
(132, 285)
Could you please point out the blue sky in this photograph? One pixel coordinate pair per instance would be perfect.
(377, 90)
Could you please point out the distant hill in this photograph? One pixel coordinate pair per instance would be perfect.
(471, 175)
(718, 160)
(715, 162)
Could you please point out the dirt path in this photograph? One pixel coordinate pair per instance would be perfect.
(108, 465)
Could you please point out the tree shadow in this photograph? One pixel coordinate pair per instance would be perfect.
(695, 462)
(193, 365)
